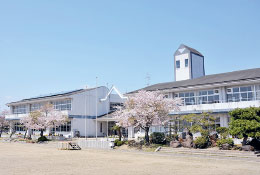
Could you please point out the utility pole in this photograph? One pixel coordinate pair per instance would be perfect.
(96, 106)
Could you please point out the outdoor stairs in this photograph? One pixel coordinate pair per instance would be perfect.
(211, 153)
(74, 146)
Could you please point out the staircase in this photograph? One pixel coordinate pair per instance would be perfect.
(74, 146)
(211, 153)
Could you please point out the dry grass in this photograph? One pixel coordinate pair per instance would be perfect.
(37, 159)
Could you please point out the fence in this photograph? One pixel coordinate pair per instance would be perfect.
(93, 143)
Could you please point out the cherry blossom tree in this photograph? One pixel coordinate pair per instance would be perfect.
(34, 120)
(3, 122)
(53, 118)
(44, 118)
(145, 109)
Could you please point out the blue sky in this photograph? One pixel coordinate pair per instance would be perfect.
(52, 46)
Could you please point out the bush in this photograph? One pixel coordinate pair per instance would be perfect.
(229, 141)
(172, 137)
(255, 143)
(223, 131)
(42, 139)
(201, 142)
(157, 138)
(118, 143)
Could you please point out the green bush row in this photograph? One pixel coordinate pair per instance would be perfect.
(229, 141)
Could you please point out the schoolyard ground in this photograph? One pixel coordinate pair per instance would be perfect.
(37, 159)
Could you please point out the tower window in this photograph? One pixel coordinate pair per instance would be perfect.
(178, 64)
(186, 62)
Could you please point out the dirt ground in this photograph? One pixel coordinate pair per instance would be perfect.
(37, 159)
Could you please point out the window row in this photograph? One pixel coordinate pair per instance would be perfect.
(234, 94)
(178, 64)
(60, 105)
(63, 128)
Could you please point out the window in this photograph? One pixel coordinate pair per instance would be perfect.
(19, 127)
(208, 96)
(62, 105)
(257, 92)
(178, 64)
(188, 98)
(186, 62)
(63, 128)
(244, 93)
(36, 106)
(21, 109)
(100, 127)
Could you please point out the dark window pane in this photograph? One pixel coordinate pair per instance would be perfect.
(216, 98)
(243, 89)
(210, 99)
(236, 89)
(244, 96)
(186, 62)
(178, 64)
(210, 92)
(204, 92)
(250, 95)
(181, 94)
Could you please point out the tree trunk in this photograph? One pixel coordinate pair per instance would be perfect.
(244, 140)
(25, 133)
(12, 134)
(146, 135)
(1, 133)
(41, 133)
(119, 134)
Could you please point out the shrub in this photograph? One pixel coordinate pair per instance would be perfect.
(118, 143)
(157, 138)
(223, 131)
(255, 143)
(201, 142)
(172, 137)
(229, 141)
(42, 139)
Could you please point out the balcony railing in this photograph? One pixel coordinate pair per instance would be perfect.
(196, 100)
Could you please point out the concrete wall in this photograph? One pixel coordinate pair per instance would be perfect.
(182, 73)
(85, 103)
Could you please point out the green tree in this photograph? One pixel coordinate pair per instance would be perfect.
(118, 128)
(245, 123)
(203, 123)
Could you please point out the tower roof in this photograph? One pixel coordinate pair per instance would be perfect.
(184, 49)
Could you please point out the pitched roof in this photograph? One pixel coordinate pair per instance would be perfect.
(208, 79)
(185, 49)
(60, 94)
(193, 50)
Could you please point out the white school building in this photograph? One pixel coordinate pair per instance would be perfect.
(82, 107)
(216, 93)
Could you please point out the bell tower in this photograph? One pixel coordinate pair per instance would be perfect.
(188, 63)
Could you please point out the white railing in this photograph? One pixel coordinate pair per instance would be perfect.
(93, 143)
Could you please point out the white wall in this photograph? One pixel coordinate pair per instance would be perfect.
(87, 127)
(85, 103)
(182, 73)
